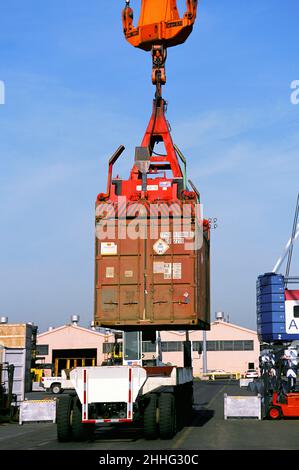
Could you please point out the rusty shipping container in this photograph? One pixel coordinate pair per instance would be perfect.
(138, 286)
(148, 273)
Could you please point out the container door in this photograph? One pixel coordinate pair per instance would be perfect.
(120, 277)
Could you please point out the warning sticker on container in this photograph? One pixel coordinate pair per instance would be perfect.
(108, 248)
(128, 273)
(110, 272)
(179, 241)
(159, 268)
(177, 271)
(160, 247)
(167, 270)
(179, 237)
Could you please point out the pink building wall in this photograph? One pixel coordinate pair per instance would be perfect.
(229, 361)
(73, 337)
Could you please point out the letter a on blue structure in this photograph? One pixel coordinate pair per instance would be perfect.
(293, 324)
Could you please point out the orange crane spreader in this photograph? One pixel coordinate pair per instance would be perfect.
(160, 26)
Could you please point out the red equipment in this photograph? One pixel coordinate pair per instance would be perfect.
(159, 279)
(160, 26)
(289, 409)
(159, 23)
(152, 281)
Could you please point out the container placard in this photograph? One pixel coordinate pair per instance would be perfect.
(160, 247)
(129, 273)
(177, 271)
(108, 248)
(158, 268)
(167, 270)
(110, 272)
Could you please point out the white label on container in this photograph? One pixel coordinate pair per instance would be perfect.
(108, 248)
(158, 268)
(183, 234)
(128, 273)
(167, 270)
(177, 270)
(150, 187)
(179, 237)
(110, 272)
(166, 236)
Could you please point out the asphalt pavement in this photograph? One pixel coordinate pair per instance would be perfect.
(207, 431)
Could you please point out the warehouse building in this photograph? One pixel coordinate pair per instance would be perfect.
(71, 346)
(230, 347)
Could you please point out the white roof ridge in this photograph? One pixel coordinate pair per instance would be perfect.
(73, 326)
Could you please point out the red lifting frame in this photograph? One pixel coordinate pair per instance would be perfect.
(158, 131)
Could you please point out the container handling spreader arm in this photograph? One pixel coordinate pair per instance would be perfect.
(160, 26)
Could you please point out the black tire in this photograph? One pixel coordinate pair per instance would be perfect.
(167, 410)
(56, 388)
(80, 432)
(64, 410)
(150, 418)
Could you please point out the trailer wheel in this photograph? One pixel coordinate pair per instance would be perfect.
(167, 410)
(64, 410)
(274, 412)
(80, 432)
(56, 388)
(150, 418)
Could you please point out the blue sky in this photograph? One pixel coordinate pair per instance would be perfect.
(75, 91)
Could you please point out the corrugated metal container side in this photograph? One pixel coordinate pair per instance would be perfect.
(267, 328)
(271, 307)
(270, 279)
(269, 317)
(271, 289)
(153, 283)
(270, 298)
(22, 377)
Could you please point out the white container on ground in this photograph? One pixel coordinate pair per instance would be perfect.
(21, 379)
(242, 407)
(37, 410)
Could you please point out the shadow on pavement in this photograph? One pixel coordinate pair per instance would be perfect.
(200, 417)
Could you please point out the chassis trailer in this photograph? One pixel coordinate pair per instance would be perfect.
(160, 399)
